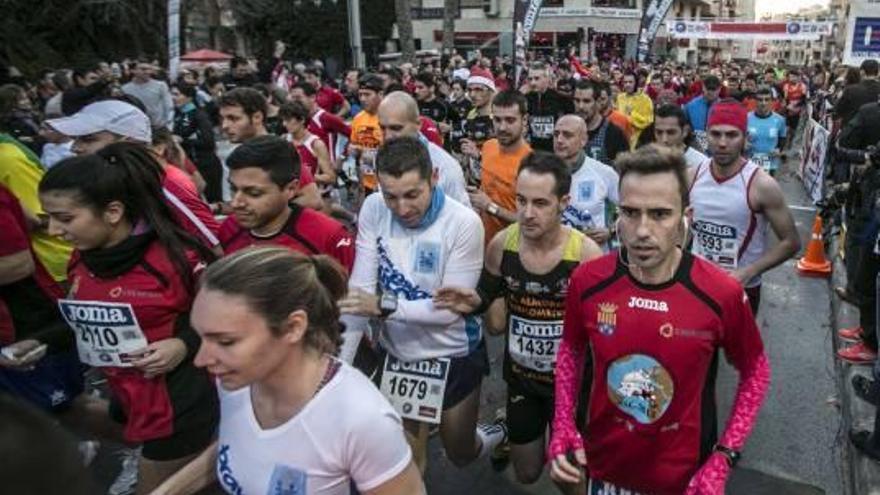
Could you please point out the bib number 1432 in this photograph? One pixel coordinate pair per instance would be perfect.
(416, 389)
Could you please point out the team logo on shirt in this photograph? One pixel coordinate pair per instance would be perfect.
(640, 387)
(607, 318)
(287, 480)
(650, 304)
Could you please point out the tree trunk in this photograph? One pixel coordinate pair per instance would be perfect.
(213, 14)
(405, 29)
(450, 10)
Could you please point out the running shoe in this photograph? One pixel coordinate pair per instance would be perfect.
(866, 389)
(858, 353)
(852, 334)
(126, 481)
(500, 455)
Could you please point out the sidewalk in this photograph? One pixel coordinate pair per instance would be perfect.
(862, 475)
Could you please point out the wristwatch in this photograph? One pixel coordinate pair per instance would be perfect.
(731, 455)
(492, 209)
(387, 304)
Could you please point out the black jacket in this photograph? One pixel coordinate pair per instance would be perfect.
(544, 110)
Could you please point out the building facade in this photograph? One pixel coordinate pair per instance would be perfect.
(603, 29)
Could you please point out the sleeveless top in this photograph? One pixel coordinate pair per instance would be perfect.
(728, 231)
(536, 309)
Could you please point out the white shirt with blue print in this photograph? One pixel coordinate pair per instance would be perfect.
(413, 263)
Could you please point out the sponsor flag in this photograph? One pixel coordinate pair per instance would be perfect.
(525, 15)
(655, 11)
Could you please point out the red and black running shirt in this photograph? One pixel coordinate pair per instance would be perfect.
(652, 416)
(306, 231)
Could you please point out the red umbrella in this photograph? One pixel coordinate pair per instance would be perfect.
(205, 55)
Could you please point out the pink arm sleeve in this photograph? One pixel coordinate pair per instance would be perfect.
(712, 476)
(569, 372)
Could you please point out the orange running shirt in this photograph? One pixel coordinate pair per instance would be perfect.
(366, 133)
(499, 181)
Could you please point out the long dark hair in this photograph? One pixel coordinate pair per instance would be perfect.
(128, 173)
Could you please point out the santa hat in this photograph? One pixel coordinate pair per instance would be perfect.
(482, 76)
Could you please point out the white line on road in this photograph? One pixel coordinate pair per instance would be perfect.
(802, 208)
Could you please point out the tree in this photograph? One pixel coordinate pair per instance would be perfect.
(405, 29)
(450, 10)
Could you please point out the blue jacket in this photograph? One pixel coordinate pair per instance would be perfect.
(697, 111)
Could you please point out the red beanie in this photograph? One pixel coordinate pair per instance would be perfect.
(728, 112)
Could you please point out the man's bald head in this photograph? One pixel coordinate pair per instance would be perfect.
(399, 115)
(569, 137)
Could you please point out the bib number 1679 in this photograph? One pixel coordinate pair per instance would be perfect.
(411, 388)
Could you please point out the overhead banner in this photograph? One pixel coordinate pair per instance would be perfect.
(525, 15)
(655, 12)
(796, 30)
(862, 33)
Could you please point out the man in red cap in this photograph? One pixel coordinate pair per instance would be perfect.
(734, 202)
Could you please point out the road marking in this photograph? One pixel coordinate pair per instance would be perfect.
(802, 208)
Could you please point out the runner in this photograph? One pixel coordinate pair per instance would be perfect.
(398, 116)
(411, 239)
(500, 157)
(529, 264)
(734, 201)
(767, 131)
(37, 362)
(242, 112)
(594, 185)
(132, 279)
(478, 126)
(323, 124)
(294, 419)
(673, 130)
(652, 317)
(545, 105)
(636, 105)
(263, 174)
(313, 153)
(366, 136)
(604, 139)
(697, 110)
(100, 124)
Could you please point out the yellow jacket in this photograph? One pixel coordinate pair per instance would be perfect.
(20, 172)
(639, 108)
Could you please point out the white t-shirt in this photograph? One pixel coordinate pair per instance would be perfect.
(592, 185)
(412, 263)
(693, 157)
(450, 176)
(347, 433)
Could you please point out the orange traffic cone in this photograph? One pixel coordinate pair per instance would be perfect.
(815, 262)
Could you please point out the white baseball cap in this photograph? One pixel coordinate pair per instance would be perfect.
(114, 116)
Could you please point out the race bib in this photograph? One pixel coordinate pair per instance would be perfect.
(107, 334)
(368, 157)
(533, 344)
(763, 160)
(716, 243)
(542, 126)
(416, 389)
(702, 140)
(599, 487)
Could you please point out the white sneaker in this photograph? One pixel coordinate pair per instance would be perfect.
(127, 479)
